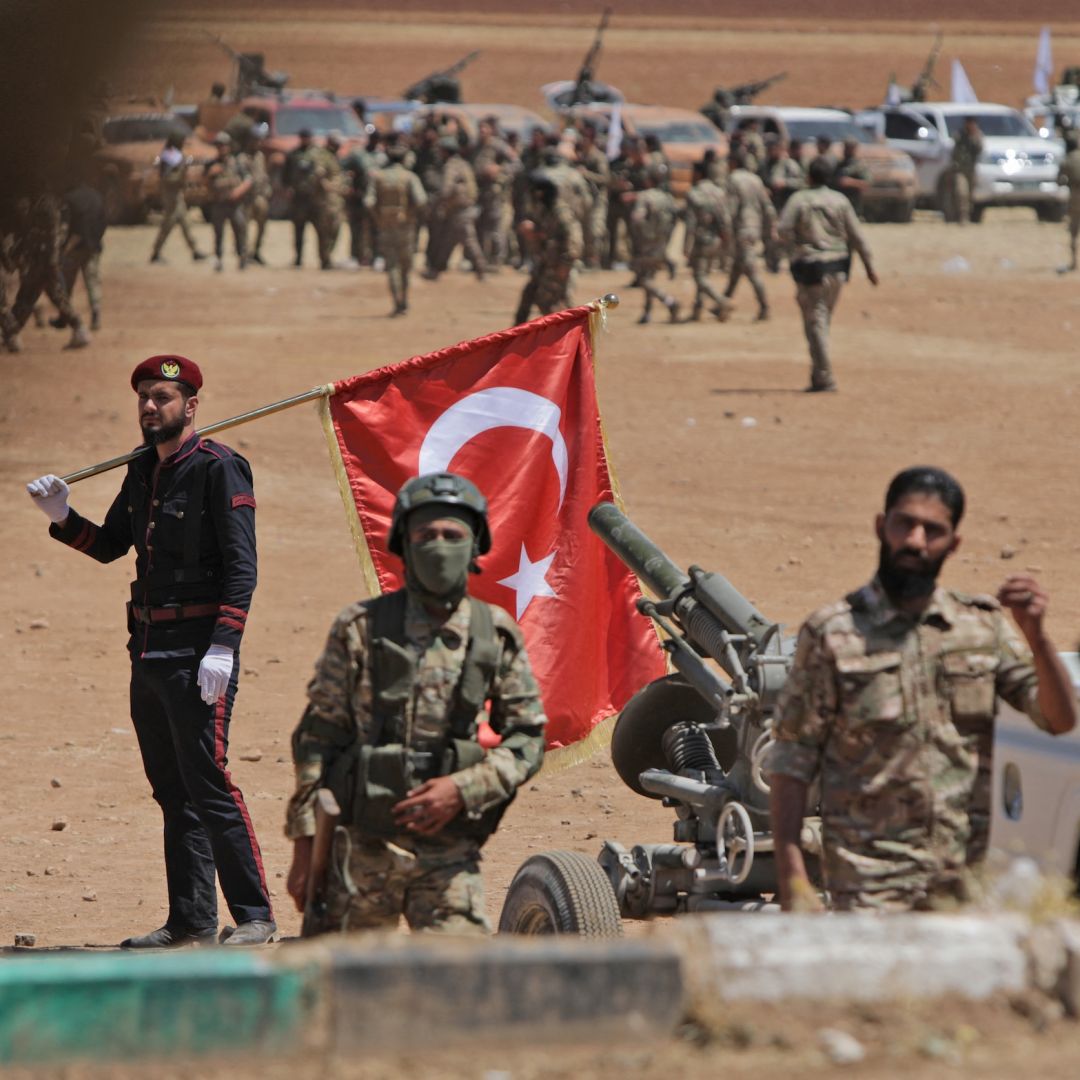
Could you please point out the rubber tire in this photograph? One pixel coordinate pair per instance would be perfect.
(977, 212)
(1054, 213)
(901, 212)
(561, 892)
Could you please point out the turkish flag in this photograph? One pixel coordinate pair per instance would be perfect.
(516, 413)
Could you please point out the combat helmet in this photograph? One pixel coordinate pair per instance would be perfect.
(438, 489)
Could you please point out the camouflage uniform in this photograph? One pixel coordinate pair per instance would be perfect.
(1069, 174)
(253, 163)
(395, 198)
(434, 881)
(708, 230)
(302, 181)
(225, 177)
(357, 166)
(651, 223)
(328, 204)
(491, 163)
(783, 177)
(894, 715)
(173, 171)
(556, 245)
(851, 168)
(626, 177)
(753, 220)
(574, 190)
(820, 230)
(593, 166)
(454, 219)
(965, 156)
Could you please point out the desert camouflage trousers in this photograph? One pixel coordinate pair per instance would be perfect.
(258, 212)
(745, 263)
(817, 303)
(87, 263)
(371, 883)
(396, 245)
(173, 213)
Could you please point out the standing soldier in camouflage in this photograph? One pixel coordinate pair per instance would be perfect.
(651, 223)
(492, 161)
(301, 183)
(753, 220)
(36, 254)
(253, 162)
(173, 165)
(1069, 174)
(966, 151)
(553, 235)
(84, 209)
(453, 214)
(820, 231)
(708, 232)
(781, 175)
(592, 163)
(391, 729)
(357, 166)
(229, 188)
(753, 143)
(329, 202)
(626, 178)
(395, 198)
(890, 705)
(851, 176)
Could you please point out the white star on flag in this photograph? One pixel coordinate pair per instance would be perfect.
(530, 580)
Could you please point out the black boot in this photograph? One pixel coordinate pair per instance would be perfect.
(167, 938)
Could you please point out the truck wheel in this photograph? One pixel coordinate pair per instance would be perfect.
(977, 211)
(902, 211)
(1052, 212)
(561, 892)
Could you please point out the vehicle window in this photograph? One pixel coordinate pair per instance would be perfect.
(290, 119)
(899, 126)
(992, 123)
(129, 129)
(680, 131)
(837, 130)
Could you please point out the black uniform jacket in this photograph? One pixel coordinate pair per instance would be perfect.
(191, 520)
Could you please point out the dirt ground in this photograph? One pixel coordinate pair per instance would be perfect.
(965, 357)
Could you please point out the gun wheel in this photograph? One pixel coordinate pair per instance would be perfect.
(561, 892)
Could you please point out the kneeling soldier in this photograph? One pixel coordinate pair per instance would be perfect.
(391, 730)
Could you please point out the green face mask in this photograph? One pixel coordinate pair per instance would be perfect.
(441, 566)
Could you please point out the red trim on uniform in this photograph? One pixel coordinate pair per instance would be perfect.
(236, 793)
(238, 612)
(84, 539)
(211, 449)
(243, 500)
(169, 462)
(232, 624)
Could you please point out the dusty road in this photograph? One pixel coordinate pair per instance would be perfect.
(721, 458)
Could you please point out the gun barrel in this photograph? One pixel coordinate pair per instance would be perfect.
(662, 577)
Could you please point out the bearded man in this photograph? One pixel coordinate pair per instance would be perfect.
(890, 708)
(187, 506)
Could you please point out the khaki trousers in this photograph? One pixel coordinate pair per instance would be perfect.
(817, 303)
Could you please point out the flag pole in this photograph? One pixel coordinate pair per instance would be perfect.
(254, 414)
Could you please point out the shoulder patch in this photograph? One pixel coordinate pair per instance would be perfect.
(819, 619)
(243, 500)
(218, 450)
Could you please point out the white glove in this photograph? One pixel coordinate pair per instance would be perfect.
(214, 672)
(50, 495)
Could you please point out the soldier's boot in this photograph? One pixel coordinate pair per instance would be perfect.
(80, 337)
(198, 256)
(646, 314)
(13, 344)
(95, 319)
(256, 932)
(59, 323)
(167, 938)
(156, 256)
(763, 314)
(695, 312)
(672, 309)
(39, 316)
(723, 308)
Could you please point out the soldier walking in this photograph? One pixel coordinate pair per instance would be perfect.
(329, 199)
(229, 188)
(396, 198)
(708, 231)
(753, 220)
(427, 796)
(173, 165)
(85, 212)
(820, 231)
(851, 177)
(553, 236)
(253, 163)
(1069, 174)
(651, 223)
(781, 175)
(453, 214)
(357, 167)
(966, 151)
(301, 180)
(492, 162)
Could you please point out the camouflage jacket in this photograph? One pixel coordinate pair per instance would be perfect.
(819, 225)
(39, 234)
(783, 176)
(224, 176)
(396, 195)
(254, 164)
(651, 222)
(593, 166)
(457, 186)
(573, 188)
(558, 236)
(894, 716)
(966, 151)
(491, 164)
(752, 211)
(708, 219)
(341, 693)
(850, 168)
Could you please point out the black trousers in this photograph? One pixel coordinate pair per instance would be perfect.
(184, 743)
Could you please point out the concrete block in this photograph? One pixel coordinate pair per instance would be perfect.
(402, 993)
(118, 1006)
(850, 957)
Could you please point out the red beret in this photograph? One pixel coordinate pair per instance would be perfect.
(169, 368)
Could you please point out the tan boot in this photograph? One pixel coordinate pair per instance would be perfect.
(80, 338)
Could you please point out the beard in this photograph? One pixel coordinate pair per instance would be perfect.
(163, 434)
(903, 583)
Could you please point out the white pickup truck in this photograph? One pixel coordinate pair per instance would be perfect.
(1036, 807)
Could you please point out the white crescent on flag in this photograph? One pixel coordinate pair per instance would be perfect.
(501, 406)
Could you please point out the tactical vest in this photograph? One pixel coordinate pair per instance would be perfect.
(368, 778)
(391, 199)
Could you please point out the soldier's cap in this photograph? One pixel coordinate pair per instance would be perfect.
(168, 368)
(223, 138)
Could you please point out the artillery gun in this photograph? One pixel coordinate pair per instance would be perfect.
(718, 110)
(441, 87)
(695, 739)
(586, 89)
(249, 74)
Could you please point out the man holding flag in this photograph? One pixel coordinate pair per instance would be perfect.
(391, 728)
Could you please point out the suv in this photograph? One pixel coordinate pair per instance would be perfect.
(684, 135)
(1018, 167)
(890, 195)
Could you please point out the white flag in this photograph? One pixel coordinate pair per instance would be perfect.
(1044, 64)
(962, 90)
(614, 132)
